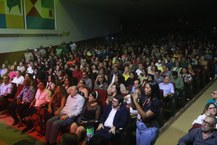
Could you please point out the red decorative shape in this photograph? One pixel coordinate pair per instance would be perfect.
(33, 1)
(34, 12)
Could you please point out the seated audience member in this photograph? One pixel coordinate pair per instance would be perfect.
(50, 85)
(167, 87)
(69, 139)
(213, 97)
(41, 100)
(100, 83)
(158, 77)
(6, 90)
(3, 70)
(118, 81)
(115, 117)
(21, 67)
(68, 82)
(209, 110)
(178, 83)
(134, 88)
(112, 91)
(58, 100)
(55, 105)
(168, 94)
(12, 72)
(73, 107)
(83, 91)
(131, 79)
(22, 102)
(87, 80)
(188, 82)
(18, 79)
(126, 74)
(89, 116)
(206, 135)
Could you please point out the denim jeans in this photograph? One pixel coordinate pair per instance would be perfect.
(145, 135)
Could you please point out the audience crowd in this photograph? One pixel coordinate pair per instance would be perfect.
(82, 84)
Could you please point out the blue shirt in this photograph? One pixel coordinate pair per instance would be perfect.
(195, 138)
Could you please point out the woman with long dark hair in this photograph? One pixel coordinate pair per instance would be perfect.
(149, 107)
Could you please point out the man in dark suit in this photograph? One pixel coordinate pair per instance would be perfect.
(115, 117)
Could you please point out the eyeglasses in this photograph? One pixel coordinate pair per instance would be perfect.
(207, 123)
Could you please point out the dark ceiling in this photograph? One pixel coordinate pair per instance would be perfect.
(134, 8)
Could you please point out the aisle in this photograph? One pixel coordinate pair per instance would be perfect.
(183, 123)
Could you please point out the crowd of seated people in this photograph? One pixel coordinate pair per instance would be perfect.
(203, 130)
(114, 68)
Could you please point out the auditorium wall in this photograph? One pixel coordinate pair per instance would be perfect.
(73, 23)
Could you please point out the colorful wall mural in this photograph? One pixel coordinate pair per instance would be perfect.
(35, 14)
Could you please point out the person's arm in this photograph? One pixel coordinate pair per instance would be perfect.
(80, 105)
(145, 115)
(188, 138)
(63, 101)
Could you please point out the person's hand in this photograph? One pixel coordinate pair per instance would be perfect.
(112, 130)
(83, 122)
(31, 104)
(100, 126)
(19, 101)
(50, 110)
(135, 97)
(64, 117)
(56, 112)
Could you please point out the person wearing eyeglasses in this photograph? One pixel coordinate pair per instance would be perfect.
(114, 118)
(205, 135)
(209, 109)
(213, 98)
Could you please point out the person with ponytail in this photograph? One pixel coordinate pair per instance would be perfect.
(89, 116)
(149, 107)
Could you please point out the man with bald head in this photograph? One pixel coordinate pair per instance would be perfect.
(206, 135)
(73, 107)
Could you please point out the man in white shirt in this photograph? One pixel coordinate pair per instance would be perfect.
(19, 79)
(73, 107)
(6, 90)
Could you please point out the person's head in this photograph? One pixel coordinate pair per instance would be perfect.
(210, 109)
(136, 83)
(27, 82)
(6, 79)
(28, 76)
(72, 91)
(184, 70)
(84, 75)
(150, 77)
(175, 74)
(209, 124)
(158, 73)
(115, 89)
(93, 97)
(166, 79)
(115, 69)
(69, 139)
(18, 73)
(67, 81)
(214, 94)
(101, 78)
(117, 101)
(41, 85)
(152, 89)
(81, 83)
